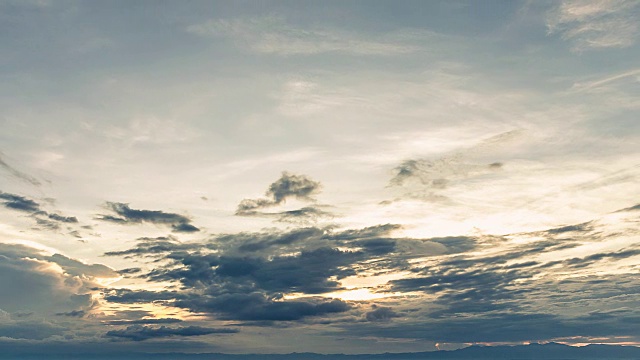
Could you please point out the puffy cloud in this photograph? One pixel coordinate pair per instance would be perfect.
(287, 186)
(36, 281)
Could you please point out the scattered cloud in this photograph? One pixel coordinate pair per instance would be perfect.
(299, 187)
(127, 215)
(17, 202)
(439, 173)
(141, 333)
(595, 24)
(272, 35)
(18, 174)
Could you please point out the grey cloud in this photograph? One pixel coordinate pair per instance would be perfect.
(73, 313)
(288, 186)
(61, 218)
(245, 276)
(184, 228)
(258, 307)
(36, 286)
(30, 330)
(18, 174)
(17, 202)
(143, 321)
(140, 333)
(126, 296)
(438, 173)
(381, 314)
(152, 247)
(127, 215)
(49, 221)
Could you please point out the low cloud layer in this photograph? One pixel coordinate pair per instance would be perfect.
(141, 333)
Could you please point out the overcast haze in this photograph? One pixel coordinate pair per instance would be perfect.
(318, 176)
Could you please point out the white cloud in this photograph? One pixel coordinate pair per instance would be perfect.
(274, 36)
(596, 24)
(33, 280)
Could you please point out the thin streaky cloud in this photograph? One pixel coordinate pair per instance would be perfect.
(596, 24)
(272, 35)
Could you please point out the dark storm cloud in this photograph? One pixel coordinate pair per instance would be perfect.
(18, 174)
(127, 215)
(141, 333)
(288, 186)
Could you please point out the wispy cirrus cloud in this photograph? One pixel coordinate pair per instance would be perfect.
(596, 24)
(272, 35)
(17, 173)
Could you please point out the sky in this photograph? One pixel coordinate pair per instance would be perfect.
(318, 176)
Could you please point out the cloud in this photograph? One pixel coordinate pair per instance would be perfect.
(127, 215)
(258, 307)
(141, 333)
(144, 321)
(17, 202)
(36, 281)
(61, 218)
(439, 173)
(381, 314)
(30, 330)
(595, 24)
(44, 219)
(437, 288)
(18, 174)
(288, 186)
(74, 313)
(272, 35)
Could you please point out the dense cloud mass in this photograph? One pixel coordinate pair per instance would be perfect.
(206, 177)
(471, 283)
